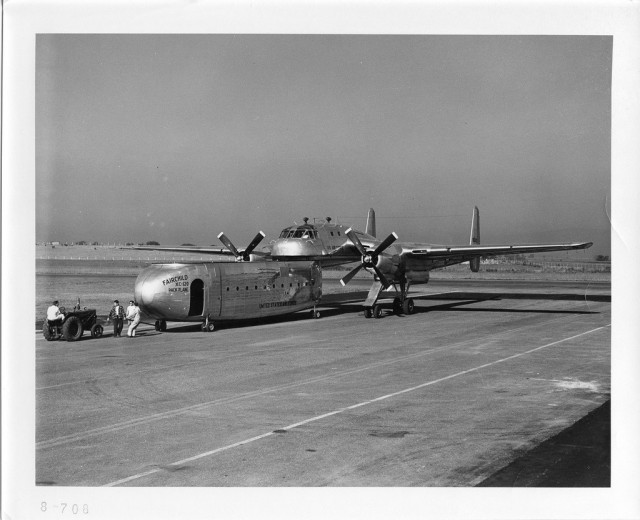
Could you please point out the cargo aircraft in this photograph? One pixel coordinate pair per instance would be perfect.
(287, 276)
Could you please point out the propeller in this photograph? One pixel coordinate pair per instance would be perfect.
(369, 258)
(241, 255)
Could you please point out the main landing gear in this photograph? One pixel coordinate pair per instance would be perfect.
(399, 307)
(208, 326)
(401, 304)
(161, 325)
(315, 313)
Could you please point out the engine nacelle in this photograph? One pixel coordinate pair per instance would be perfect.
(416, 277)
(389, 264)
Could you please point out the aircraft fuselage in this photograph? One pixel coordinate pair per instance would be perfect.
(221, 291)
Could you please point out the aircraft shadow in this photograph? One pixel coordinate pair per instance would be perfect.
(350, 303)
(517, 296)
(456, 306)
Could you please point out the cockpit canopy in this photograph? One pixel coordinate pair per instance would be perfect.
(305, 232)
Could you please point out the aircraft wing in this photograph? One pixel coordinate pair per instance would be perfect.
(194, 249)
(457, 252)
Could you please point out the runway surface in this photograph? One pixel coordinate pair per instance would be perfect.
(479, 376)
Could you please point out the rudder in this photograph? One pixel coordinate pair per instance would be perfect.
(474, 263)
(371, 223)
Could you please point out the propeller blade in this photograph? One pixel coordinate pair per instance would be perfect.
(368, 260)
(228, 244)
(383, 280)
(356, 241)
(385, 243)
(347, 278)
(256, 240)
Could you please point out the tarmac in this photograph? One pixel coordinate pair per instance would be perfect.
(487, 384)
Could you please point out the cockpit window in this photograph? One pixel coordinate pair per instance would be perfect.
(301, 232)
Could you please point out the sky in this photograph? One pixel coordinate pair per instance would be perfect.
(175, 138)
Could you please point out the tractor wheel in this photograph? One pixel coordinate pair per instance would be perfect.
(46, 332)
(72, 329)
(96, 330)
(377, 311)
(368, 312)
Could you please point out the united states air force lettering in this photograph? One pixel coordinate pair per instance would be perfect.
(178, 283)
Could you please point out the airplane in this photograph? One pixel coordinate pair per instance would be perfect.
(287, 277)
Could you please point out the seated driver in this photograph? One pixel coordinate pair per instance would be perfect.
(53, 314)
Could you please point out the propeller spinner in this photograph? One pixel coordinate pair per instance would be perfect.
(369, 258)
(241, 256)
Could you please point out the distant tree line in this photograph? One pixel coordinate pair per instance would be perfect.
(95, 243)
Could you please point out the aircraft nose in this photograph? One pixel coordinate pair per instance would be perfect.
(149, 290)
(146, 288)
(163, 291)
(293, 247)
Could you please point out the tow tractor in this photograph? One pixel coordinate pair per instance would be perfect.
(73, 325)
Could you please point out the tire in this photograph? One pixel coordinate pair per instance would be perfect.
(208, 327)
(46, 331)
(96, 330)
(397, 305)
(72, 329)
(163, 325)
(377, 311)
(157, 325)
(408, 307)
(315, 315)
(368, 312)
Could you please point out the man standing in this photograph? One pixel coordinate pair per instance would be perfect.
(117, 315)
(129, 312)
(133, 315)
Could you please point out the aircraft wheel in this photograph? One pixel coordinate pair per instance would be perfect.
(156, 325)
(96, 330)
(377, 311)
(163, 325)
(315, 314)
(208, 327)
(48, 334)
(72, 329)
(368, 312)
(408, 306)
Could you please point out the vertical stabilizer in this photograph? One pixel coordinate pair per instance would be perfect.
(371, 223)
(474, 263)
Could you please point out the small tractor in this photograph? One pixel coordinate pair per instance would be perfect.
(73, 325)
